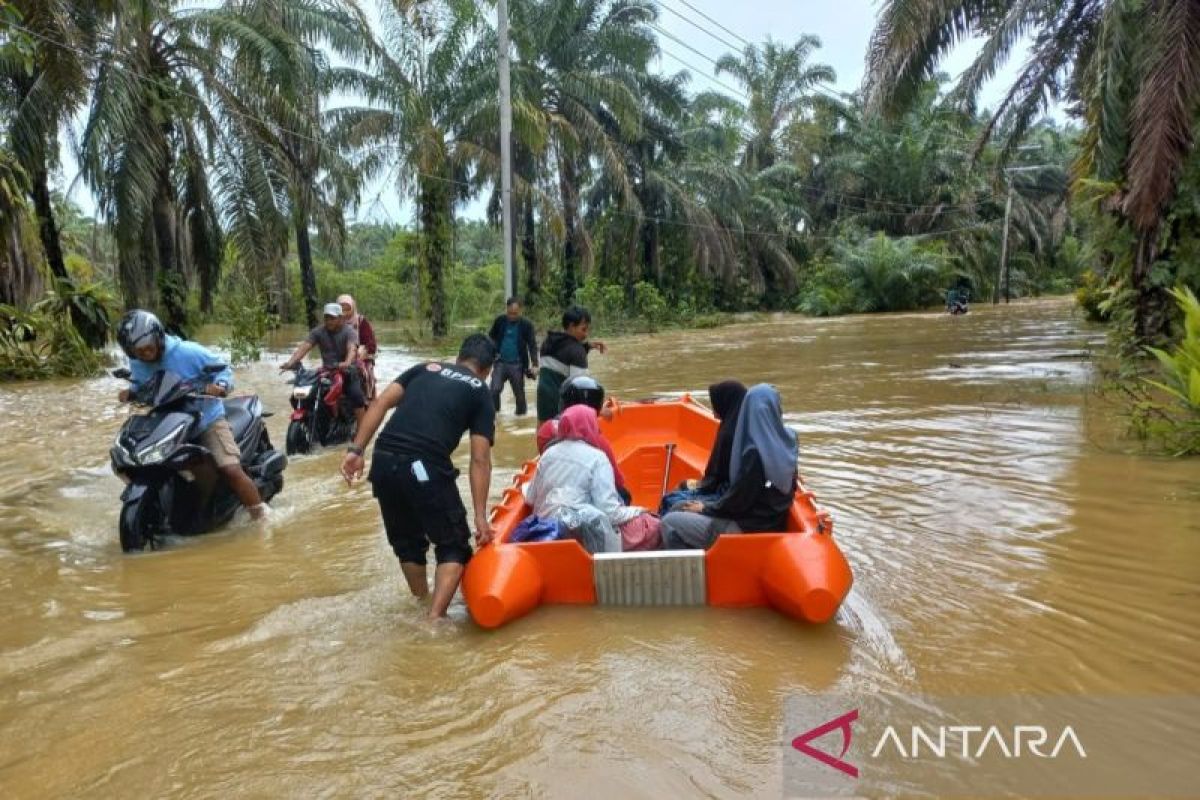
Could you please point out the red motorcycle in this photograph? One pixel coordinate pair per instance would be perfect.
(319, 417)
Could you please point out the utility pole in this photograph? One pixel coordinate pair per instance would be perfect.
(510, 271)
(1002, 273)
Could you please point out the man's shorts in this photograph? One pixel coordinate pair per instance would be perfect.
(419, 513)
(219, 441)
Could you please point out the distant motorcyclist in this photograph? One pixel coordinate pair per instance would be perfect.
(150, 350)
(338, 343)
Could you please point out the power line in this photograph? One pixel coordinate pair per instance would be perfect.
(704, 74)
(714, 22)
(827, 91)
(700, 27)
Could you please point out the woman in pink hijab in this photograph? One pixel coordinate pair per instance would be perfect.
(367, 346)
(576, 470)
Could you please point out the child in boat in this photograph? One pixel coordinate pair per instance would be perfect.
(726, 398)
(564, 355)
(763, 465)
(574, 479)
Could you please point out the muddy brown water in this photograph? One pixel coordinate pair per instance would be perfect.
(1000, 543)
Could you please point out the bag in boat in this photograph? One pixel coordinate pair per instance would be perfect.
(643, 532)
(585, 522)
(536, 529)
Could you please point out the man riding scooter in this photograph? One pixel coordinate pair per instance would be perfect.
(338, 343)
(150, 350)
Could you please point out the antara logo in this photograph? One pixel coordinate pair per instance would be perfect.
(944, 741)
(841, 723)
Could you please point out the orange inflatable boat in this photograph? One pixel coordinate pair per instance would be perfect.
(800, 571)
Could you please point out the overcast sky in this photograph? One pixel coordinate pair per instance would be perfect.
(844, 27)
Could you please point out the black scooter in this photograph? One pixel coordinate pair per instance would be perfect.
(172, 482)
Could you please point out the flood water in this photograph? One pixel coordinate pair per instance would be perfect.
(1003, 541)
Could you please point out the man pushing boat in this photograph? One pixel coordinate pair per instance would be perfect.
(411, 472)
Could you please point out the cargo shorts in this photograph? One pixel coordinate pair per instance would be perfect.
(219, 441)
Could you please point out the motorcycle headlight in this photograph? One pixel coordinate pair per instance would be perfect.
(301, 392)
(155, 453)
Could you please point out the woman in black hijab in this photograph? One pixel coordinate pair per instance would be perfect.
(726, 398)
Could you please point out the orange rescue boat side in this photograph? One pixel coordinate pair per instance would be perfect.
(800, 571)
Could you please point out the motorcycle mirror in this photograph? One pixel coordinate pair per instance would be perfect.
(123, 373)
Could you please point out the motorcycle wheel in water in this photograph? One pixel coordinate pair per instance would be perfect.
(297, 438)
(141, 522)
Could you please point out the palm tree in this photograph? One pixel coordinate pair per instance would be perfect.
(780, 83)
(410, 128)
(577, 73)
(178, 147)
(754, 193)
(148, 127)
(20, 281)
(1134, 67)
(293, 80)
(43, 82)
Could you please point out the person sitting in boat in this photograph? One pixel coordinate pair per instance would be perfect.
(564, 355)
(726, 398)
(763, 465)
(587, 391)
(575, 484)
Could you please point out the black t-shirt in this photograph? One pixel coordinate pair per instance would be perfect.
(440, 403)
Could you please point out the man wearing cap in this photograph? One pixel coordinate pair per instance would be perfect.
(338, 343)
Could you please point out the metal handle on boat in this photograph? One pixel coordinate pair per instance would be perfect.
(667, 471)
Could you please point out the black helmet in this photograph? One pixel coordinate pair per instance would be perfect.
(140, 327)
(582, 390)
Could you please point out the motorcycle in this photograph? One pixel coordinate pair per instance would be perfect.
(319, 417)
(172, 485)
(957, 301)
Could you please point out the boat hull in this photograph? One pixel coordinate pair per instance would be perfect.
(801, 572)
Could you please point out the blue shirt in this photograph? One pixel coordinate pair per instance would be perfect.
(187, 360)
(510, 349)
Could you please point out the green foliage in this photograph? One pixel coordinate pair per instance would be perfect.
(1091, 296)
(91, 306)
(646, 309)
(42, 342)
(244, 308)
(605, 301)
(475, 295)
(827, 291)
(878, 274)
(1181, 380)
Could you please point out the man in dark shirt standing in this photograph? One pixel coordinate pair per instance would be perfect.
(516, 340)
(411, 472)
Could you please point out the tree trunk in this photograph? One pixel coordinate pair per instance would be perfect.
(567, 182)
(436, 229)
(529, 254)
(1151, 304)
(308, 277)
(282, 288)
(47, 225)
(172, 287)
(20, 278)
